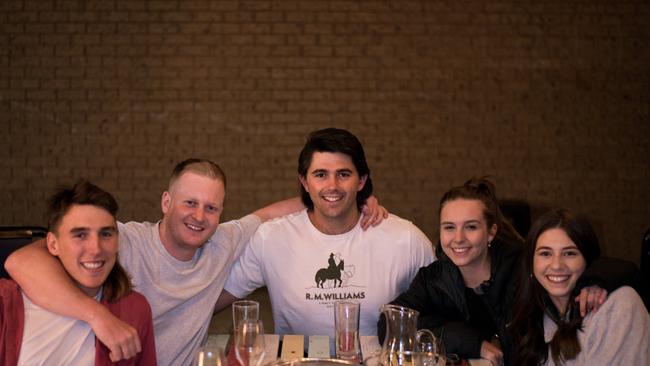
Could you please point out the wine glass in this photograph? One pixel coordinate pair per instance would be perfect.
(210, 355)
(249, 342)
(431, 347)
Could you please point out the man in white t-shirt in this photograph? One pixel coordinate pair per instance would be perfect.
(315, 257)
(179, 263)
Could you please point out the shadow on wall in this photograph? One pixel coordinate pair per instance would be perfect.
(222, 321)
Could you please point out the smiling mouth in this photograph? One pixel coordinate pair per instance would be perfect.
(460, 250)
(332, 197)
(193, 227)
(93, 265)
(557, 278)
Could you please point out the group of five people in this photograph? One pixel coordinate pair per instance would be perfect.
(313, 253)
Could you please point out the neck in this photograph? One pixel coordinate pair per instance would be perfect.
(334, 225)
(475, 274)
(560, 305)
(176, 251)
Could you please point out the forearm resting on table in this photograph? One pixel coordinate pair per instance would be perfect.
(43, 279)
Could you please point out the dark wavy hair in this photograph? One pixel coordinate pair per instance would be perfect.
(533, 302)
(118, 283)
(334, 140)
(484, 190)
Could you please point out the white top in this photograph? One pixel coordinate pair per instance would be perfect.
(292, 258)
(53, 339)
(182, 294)
(617, 334)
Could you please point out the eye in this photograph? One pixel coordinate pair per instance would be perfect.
(344, 174)
(544, 253)
(572, 253)
(212, 209)
(107, 234)
(448, 227)
(319, 175)
(80, 235)
(190, 203)
(471, 227)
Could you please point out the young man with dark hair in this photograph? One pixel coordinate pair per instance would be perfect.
(312, 258)
(83, 236)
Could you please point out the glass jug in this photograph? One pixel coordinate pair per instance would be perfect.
(400, 346)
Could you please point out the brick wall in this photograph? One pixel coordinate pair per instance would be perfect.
(551, 98)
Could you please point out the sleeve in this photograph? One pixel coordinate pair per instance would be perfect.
(246, 273)
(246, 227)
(619, 334)
(610, 274)
(458, 337)
(147, 339)
(12, 317)
(424, 252)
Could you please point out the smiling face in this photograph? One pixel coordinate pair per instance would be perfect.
(332, 182)
(86, 243)
(557, 265)
(464, 235)
(192, 208)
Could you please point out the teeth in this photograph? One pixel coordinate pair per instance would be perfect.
(460, 250)
(557, 278)
(92, 265)
(331, 198)
(194, 227)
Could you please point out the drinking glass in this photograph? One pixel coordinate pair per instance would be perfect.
(244, 309)
(346, 330)
(210, 355)
(249, 342)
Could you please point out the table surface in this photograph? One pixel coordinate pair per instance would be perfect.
(317, 347)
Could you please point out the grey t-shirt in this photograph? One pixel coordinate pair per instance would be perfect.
(182, 294)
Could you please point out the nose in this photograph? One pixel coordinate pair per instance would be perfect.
(556, 262)
(458, 235)
(93, 245)
(198, 214)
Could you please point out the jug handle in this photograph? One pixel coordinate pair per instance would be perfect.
(424, 332)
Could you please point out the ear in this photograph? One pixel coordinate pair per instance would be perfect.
(493, 232)
(165, 201)
(303, 181)
(362, 182)
(52, 244)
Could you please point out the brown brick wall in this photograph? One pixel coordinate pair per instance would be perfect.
(549, 97)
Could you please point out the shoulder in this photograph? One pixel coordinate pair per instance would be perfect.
(397, 226)
(298, 219)
(624, 300)
(136, 230)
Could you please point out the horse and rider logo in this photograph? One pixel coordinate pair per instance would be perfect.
(332, 272)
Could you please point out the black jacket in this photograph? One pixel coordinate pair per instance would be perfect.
(438, 293)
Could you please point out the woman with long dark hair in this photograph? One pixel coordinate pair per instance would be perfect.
(548, 327)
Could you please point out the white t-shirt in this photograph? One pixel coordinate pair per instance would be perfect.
(617, 334)
(53, 339)
(182, 294)
(292, 258)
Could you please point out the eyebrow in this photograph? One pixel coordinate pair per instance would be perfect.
(563, 248)
(83, 229)
(346, 170)
(473, 221)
